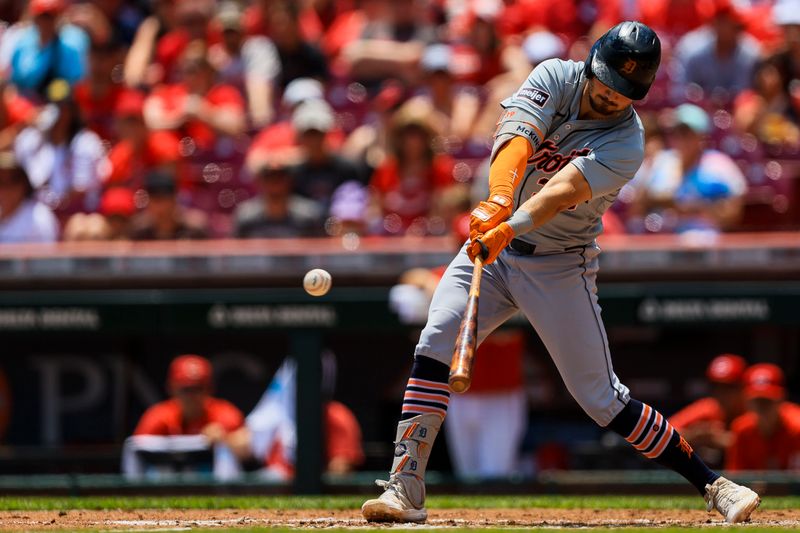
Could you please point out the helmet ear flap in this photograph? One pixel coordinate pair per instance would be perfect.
(587, 67)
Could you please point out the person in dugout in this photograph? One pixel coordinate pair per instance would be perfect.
(191, 410)
(767, 437)
(707, 421)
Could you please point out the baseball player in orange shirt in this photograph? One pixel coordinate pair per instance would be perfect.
(192, 410)
(706, 422)
(767, 437)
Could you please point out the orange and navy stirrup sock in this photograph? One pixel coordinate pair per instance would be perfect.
(654, 437)
(427, 391)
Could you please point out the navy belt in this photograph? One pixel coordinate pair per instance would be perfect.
(521, 247)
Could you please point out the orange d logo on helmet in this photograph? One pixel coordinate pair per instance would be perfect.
(628, 67)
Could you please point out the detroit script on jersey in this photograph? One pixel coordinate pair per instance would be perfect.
(607, 152)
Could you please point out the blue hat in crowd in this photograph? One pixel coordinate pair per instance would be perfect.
(694, 117)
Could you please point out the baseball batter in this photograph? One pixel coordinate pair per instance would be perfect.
(567, 141)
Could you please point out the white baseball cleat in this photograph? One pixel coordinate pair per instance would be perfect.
(734, 502)
(402, 500)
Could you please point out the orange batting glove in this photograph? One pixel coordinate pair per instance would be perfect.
(489, 214)
(493, 241)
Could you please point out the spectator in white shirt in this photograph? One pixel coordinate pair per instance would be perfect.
(22, 217)
(249, 63)
(719, 58)
(61, 156)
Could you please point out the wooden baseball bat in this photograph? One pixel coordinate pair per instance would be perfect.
(464, 353)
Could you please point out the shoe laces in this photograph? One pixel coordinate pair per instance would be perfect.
(392, 484)
(723, 494)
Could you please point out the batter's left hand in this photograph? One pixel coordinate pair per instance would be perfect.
(489, 214)
(494, 241)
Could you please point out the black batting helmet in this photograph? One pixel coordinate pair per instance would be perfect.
(626, 59)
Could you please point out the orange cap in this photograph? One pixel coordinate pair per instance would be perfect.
(727, 369)
(764, 380)
(189, 371)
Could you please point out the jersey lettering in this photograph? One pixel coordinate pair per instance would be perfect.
(527, 132)
(547, 159)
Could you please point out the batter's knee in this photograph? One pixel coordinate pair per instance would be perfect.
(603, 401)
(439, 335)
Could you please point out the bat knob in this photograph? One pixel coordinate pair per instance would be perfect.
(458, 384)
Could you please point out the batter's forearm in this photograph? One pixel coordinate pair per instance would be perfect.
(544, 206)
(508, 167)
(566, 189)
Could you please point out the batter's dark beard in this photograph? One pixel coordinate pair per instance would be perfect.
(600, 107)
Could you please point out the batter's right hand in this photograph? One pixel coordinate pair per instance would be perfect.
(491, 244)
(489, 214)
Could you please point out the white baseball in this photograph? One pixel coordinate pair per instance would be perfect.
(317, 282)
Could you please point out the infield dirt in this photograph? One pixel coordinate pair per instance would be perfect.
(461, 518)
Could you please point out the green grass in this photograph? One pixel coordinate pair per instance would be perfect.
(34, 503)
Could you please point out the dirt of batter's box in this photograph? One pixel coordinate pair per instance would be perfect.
(239, 518)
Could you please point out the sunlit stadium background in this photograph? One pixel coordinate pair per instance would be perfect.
(188, 161)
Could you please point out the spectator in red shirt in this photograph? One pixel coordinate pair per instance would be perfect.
(139, 69)
(477, 56)
(408, 183)
(192, 410)
(281, 135)
(707, 421)
(139, 150)
(192, 18)
(97, 94)
(343, 451)
(16, 113)
(197, 107)
(768, 436)
(670, 18)
(333, 24)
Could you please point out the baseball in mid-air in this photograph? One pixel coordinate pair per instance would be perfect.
(317, 282)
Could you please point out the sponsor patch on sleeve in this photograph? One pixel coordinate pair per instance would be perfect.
(537, 96)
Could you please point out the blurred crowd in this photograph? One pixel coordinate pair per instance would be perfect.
(191, 119)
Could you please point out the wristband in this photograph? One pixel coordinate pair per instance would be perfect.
(499, 199)
(521, 222)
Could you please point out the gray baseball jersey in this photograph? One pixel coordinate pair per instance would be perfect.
(608, 153)
(555, 287)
